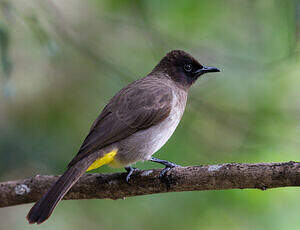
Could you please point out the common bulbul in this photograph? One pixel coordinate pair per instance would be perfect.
(135, 124)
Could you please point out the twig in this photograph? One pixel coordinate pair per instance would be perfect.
(113, 186)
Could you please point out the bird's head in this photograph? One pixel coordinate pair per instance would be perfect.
(182, 67)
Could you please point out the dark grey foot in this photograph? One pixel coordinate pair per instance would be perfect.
(169, 166)
(129, 170)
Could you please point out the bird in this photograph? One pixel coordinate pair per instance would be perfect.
(135, 124)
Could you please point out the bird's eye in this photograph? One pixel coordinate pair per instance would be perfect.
(188, 67)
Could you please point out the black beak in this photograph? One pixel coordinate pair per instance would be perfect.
(206, 69)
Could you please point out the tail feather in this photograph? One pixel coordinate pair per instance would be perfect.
(42, 210)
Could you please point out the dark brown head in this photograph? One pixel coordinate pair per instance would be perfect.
(182, 67)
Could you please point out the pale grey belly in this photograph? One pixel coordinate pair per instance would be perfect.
(143, 144)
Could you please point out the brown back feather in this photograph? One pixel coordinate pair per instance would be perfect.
(141, 104)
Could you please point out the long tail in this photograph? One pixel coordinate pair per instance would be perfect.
(42, 209)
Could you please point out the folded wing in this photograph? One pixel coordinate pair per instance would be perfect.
(138, 106)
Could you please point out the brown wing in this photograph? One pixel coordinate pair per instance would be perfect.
(138, 106)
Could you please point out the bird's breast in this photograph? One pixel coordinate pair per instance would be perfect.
(160, 133)
(144, 143)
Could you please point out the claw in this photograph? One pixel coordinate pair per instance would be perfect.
(129, 170)
(167, 169)
(163, 172)
(169, 166)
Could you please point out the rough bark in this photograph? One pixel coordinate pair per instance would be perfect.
(113, 186)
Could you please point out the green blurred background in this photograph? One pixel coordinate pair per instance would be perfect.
(61, 61)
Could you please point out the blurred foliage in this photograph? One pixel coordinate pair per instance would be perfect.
(61, 61)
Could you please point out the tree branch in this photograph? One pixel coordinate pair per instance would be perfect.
(210, 177)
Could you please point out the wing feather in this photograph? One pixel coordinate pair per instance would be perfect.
(138, 106)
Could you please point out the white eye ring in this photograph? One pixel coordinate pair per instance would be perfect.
(188, 67)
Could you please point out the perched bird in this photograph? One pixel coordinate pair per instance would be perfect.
(135, 124)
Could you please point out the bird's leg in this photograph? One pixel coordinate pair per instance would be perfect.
(129, 170)
(168, 165)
